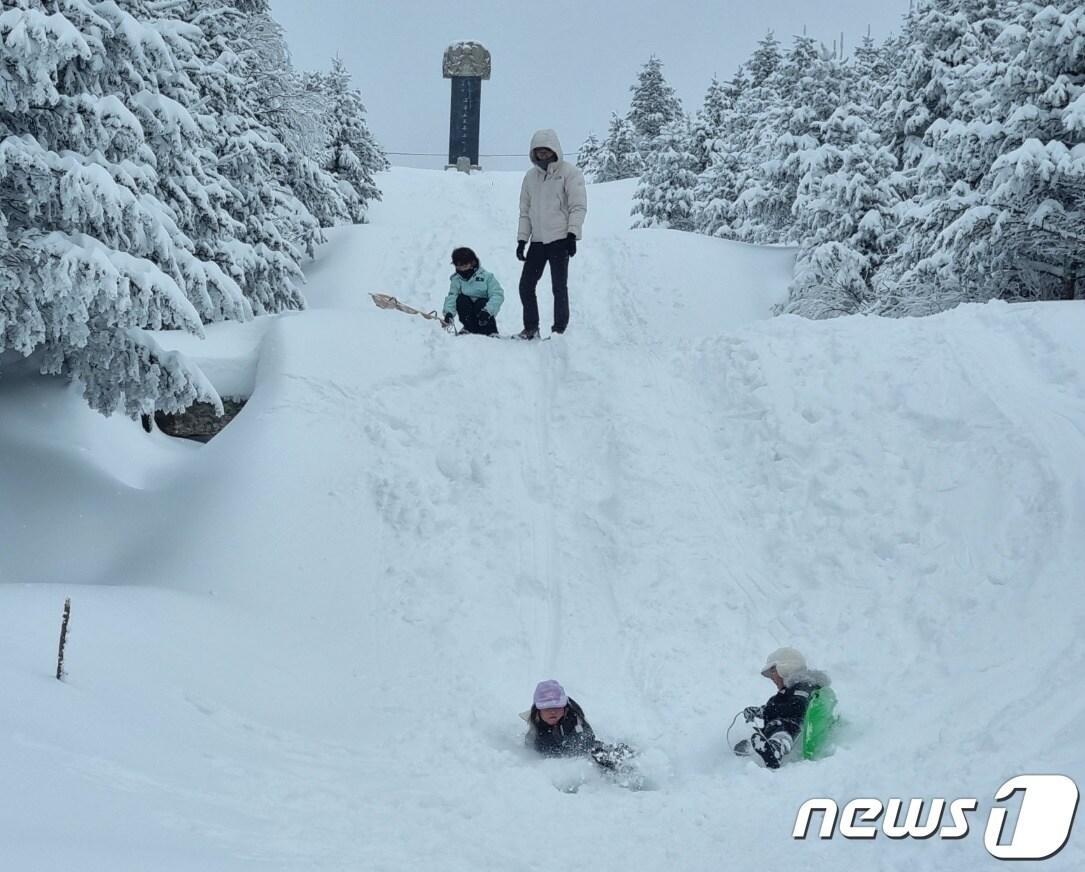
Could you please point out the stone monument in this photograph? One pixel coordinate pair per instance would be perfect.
(466, 64)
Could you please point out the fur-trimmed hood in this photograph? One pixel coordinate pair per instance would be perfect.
(814, 677)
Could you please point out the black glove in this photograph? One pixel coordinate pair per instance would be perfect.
(520, 250)
(446, 319)
(570, 241)
(484, 318)
(752, 713)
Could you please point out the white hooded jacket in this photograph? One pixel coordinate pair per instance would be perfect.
(553, 200)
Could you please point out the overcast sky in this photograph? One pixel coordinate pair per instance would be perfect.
(565, 64)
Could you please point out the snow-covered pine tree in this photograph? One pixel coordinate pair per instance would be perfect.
(239, 90)
(995, 168)
(354, 157)
(765, 60)
(587, 157)
(619, 157)
(738, 165)
(844, 216)
(308, 140)
(1037, 184)
(188, 180)
(280, 101)
(1014, 151)
(870, 68)
(715, 193)
(707, 126)
(654, 103)
(845, 206)
(870, 71)
(85, 245)
(664, 196)
(916, 95)
(718, 183)
(807, 88)
(942, 177)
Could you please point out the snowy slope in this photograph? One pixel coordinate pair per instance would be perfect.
(304, 645)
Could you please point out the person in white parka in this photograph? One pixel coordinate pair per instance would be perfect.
(553, 203)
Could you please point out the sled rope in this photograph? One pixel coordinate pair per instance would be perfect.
(727, 735)
(387, 301)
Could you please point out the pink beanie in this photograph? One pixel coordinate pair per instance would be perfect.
(550, 695)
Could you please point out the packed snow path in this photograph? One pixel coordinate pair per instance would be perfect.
(304, 645)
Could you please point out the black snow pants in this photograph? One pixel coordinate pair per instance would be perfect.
(538, 256)
(468, 309)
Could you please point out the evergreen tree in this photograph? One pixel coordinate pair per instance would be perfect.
(707, 126)
(845, 194)
(159, 166)
(313, 199)
(654, 102)
(765, 61)
(87, 250)
(353, 154)
(998, 204)
(718, 183)
(845, 217)
(715, 193)
(1037, 247)
(619, 158)
(587, 158)
(806, 89)
(734, 183)
(188, 179)
(241, 94)
(916, 95)
(664, 196)
(869, 68)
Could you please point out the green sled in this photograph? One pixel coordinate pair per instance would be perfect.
(817, 726)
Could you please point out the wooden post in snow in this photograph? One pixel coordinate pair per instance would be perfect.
(63, 638)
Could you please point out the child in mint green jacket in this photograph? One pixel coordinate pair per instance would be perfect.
(473, 294)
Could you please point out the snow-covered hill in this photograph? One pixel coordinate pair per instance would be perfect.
(304, 645)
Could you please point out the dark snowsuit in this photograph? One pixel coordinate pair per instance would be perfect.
(572, 736)
(783, 716)
(786, 710)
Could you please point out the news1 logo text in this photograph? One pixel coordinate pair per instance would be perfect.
(1045, 818)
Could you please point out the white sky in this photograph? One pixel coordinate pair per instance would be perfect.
(565, 64)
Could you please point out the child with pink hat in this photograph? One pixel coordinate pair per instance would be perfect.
(558, 725)
(559, 729)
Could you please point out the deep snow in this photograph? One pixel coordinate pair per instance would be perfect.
(304, 645)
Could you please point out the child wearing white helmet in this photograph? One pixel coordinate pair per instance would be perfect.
(782, 716)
